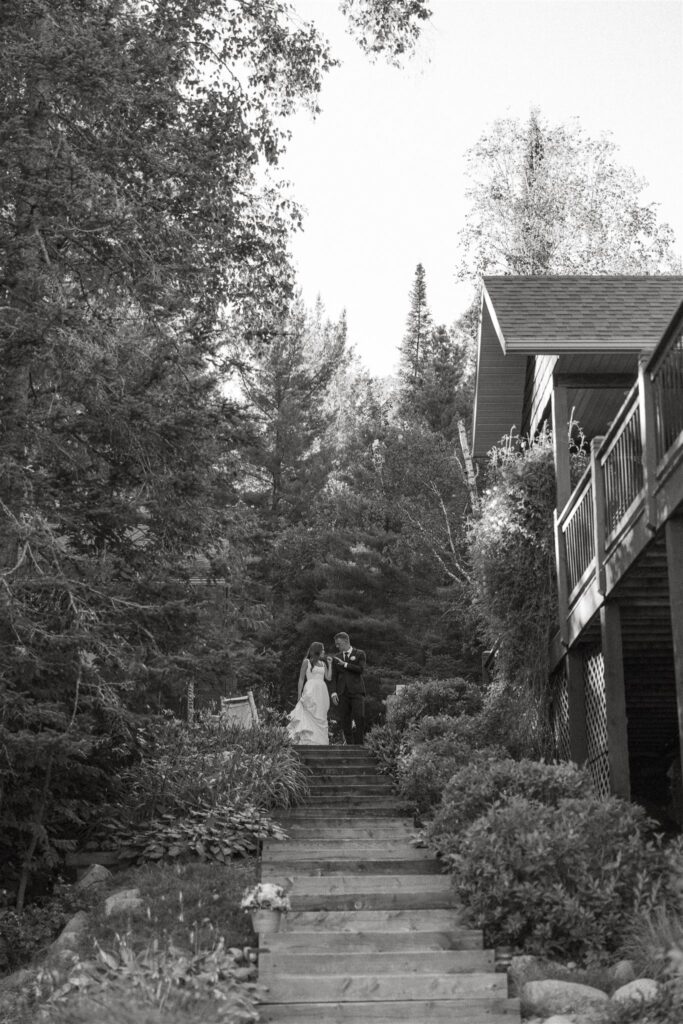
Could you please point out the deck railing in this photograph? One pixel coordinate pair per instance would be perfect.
(577, 525)
(625, 472)
(667, 387)
(621, 462)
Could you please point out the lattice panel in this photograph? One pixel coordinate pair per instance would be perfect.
(560, 713)
(596, 720)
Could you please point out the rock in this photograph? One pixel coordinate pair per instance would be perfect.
(642, 990)
(72, 933)
(519, 970)
(96, 875)
(623, 972)
(122, 902)
(545, 998)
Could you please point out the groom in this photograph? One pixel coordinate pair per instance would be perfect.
(347, 689)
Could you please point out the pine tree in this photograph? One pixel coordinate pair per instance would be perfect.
(415, 347)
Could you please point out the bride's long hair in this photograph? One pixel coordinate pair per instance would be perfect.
(314, 652)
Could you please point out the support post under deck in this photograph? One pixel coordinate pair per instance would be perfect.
(615, 699)
(674, 562)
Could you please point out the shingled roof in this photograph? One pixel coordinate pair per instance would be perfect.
(552, 314)
(559, 317)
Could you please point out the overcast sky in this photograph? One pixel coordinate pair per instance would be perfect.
(380, 172)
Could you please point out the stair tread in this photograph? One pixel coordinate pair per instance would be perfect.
(456, 937)
(465, 1011)
(375, 933)
(451, 961)
(301, 988)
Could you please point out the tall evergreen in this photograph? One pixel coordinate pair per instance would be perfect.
(415, 347)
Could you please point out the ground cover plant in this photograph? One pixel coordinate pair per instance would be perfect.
(179, 954)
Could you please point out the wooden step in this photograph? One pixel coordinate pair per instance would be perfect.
(348, 829)
(350, 808)
(369, 884)
(446, 1011)
(355, 964)
(299, 988)
(368, 849)
(452, 936)
(342, 769)
(372, 892)
(410, 920)
(327, 828)
(274, 870)
(353, 785)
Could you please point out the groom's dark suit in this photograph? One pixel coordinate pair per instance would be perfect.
(347, 683)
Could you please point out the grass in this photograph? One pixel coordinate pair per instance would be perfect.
(185, 903)
(188, 910)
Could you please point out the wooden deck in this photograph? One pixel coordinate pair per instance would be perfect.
(610, 534)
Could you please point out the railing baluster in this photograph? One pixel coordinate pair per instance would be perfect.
(599, 513)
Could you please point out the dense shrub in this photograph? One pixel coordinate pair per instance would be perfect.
(560, 881)
(432, 697)
(477, 786)
(384, 742)
(425, 770)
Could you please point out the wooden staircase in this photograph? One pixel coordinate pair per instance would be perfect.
(374, 933)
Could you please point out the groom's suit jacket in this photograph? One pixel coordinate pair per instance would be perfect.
(348, 678)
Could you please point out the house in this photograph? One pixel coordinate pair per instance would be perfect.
(605, 353)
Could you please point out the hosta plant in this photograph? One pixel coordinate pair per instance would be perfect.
(208, 832)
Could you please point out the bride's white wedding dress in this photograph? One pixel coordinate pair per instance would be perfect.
(308, 720)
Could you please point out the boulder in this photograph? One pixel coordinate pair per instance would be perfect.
(125, 901)
(72, 933)
(519, 970)
(545, 998)
(642, 990)
(96, 875)
(623, 972)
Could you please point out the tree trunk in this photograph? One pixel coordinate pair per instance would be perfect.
(31, 849)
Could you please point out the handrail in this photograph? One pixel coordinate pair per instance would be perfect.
(660, 351)
(575, 496)
(618, 423)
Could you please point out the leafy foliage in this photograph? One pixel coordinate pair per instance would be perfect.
(549, 199)
(389, 27)
(561, 881)
(513, 565)
(210, 831)
(24, 935)
(205, 983)
(214, 764)
(384, 742)
(477, 786)
(428, 697)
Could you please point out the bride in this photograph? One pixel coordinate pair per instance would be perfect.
(308, 720)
